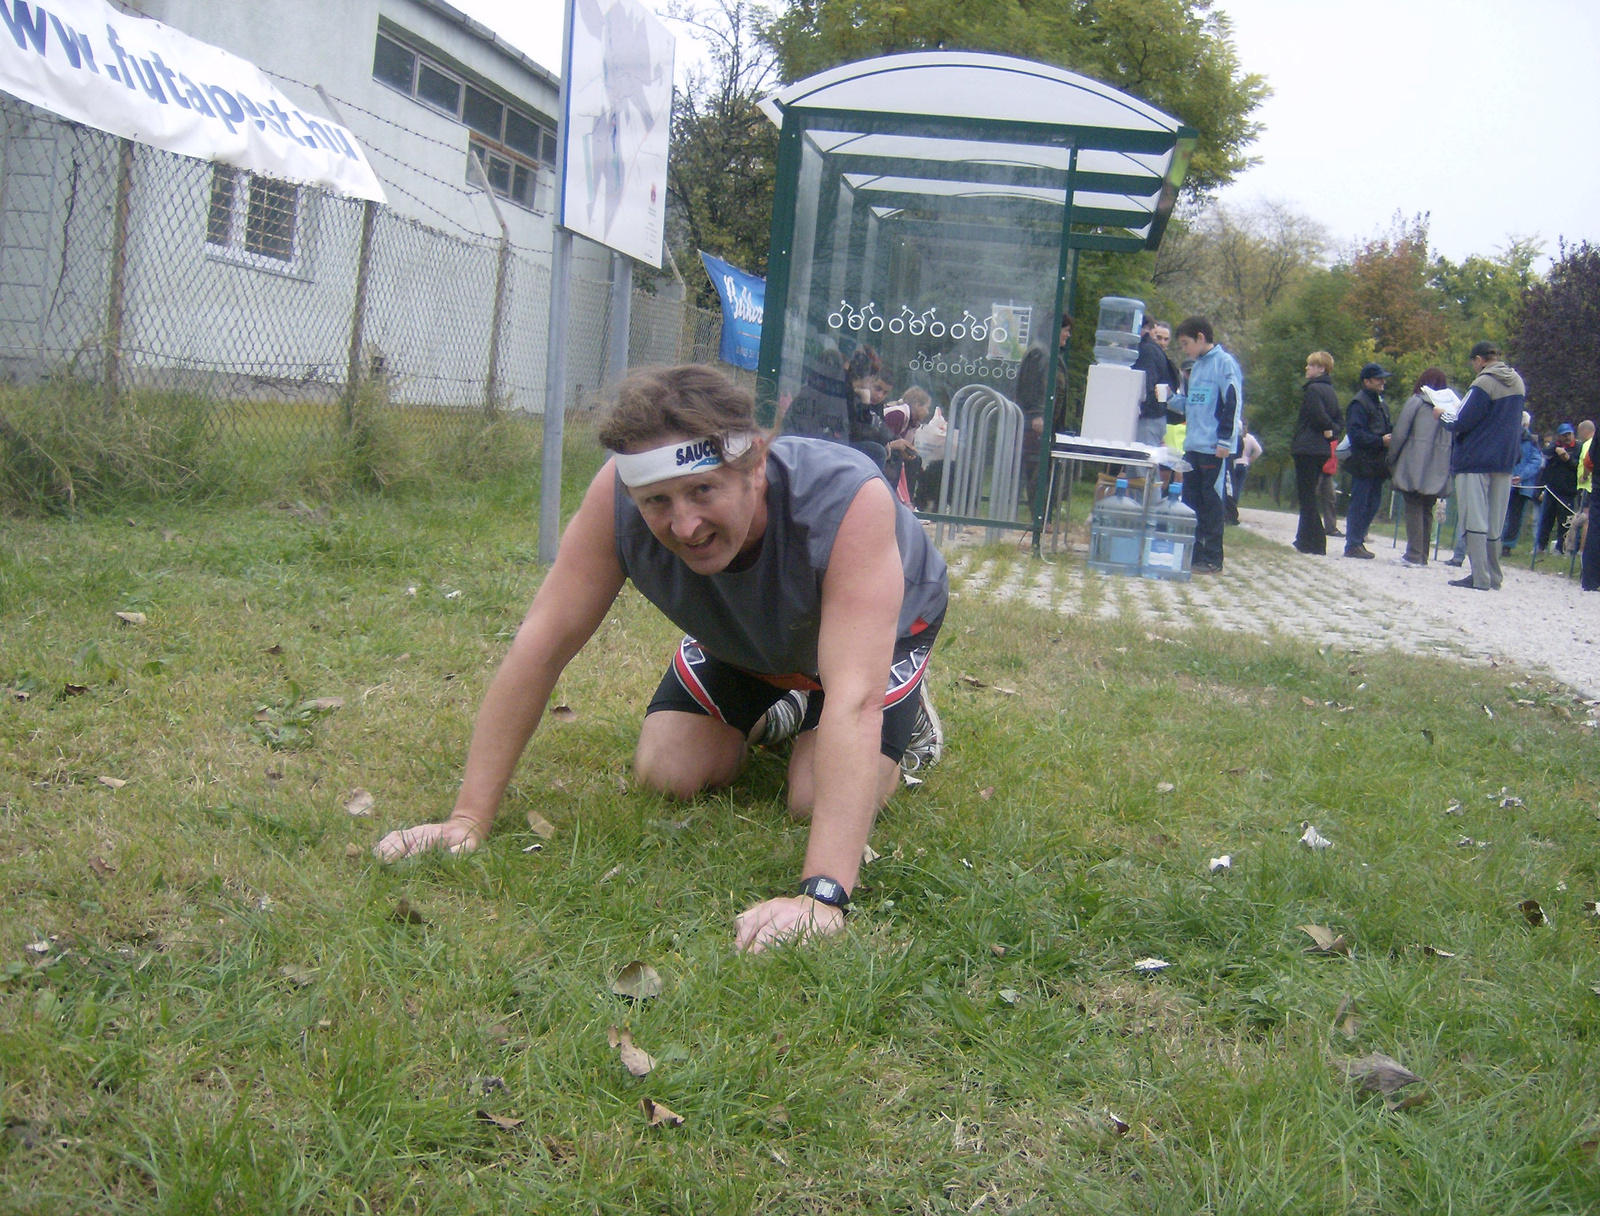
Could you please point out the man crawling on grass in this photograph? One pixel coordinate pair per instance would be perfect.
(806, 591)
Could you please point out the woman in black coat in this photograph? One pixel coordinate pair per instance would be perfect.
(1319, 419)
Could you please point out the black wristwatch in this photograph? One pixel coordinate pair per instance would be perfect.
(826, 891)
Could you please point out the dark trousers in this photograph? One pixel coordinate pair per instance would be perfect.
(1202, 494)
(1312, 536)
(1419, 525)
(1365, 495)
(1236, 474)
(1553, 516)
(1512, 532)
(1328, 500)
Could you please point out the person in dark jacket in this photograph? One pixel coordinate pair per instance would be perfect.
(1160, 383)
(1527, 484)
(1319, 419)
(1485, 452)
(1366, 421)
(1560, 488)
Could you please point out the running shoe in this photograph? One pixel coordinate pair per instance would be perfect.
(782, 721)
(927, 735)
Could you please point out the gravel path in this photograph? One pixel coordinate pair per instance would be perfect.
(1541, 621)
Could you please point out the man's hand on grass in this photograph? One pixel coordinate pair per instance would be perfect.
(788, 917)
(454, 835)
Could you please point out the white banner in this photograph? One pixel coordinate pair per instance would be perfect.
(614, 136)
(134, 77)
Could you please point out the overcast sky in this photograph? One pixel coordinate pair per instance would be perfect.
(1480, 112)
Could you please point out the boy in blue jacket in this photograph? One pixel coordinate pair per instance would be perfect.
(1212, 404)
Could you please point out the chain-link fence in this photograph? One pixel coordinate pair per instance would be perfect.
(284, 309)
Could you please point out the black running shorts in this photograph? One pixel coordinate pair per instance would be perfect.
(700, 683)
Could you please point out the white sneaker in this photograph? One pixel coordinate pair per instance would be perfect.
(782, 721)
(927, 736)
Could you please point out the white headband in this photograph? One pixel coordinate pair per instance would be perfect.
(680, 459)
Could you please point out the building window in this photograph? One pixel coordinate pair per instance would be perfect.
(510, 177)
(514, 144)
(255, 220)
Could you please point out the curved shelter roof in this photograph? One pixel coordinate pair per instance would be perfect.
(996, 135)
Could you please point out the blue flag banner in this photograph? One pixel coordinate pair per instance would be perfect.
(743, 302)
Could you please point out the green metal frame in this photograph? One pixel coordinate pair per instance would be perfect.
(1062, 218)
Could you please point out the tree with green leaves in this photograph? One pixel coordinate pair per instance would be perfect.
(1175, 54)
(723, 154)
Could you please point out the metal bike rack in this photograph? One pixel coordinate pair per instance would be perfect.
(986, 432)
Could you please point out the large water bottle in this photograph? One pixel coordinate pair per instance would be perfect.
(1116, 532)
(1169, 539)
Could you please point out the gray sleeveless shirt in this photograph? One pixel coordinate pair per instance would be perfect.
(765, 619)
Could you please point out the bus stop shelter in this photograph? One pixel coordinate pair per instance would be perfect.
(928, 214)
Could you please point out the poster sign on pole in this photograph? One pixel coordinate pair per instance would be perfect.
(617, 115)
(145, 81)
(743, 302)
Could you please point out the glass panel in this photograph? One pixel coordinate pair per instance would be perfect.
(522, 185)
(522, 134)
(434, 87)
(219, 217)
(549, 156)
(930, 285)
(499, 174)
(393, 64)
(269, 219)
(482, 113)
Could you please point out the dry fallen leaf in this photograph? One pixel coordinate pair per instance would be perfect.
(1427, 734)
(1327, 941)
(1312, 838)
(353, 851)
(1165, 787)
(986, 793)
(1118, 1123)
(112, 783)
(638, 981)
(869, 855)
(503, 1122)
(1453, 809)
(74, 690)
(541, 826)
(327, 703)
(1379, 1073)
(405, 914)
(498, 1034)
(1010, 692)
(102, 867)
(997, 950)
(300, 977)
(359, 803)
(1307, 701)
(1010, 995)
(1592, 907)
(1149, 966)
(131, 618)
(659, 1115)
(563, 713)
(1435, 952)
(1534, 913)
(634, 1059)
(275, 648)
(973, 681)
(611, 873)
(1225, 862)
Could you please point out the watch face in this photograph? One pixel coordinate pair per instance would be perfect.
(825, 891)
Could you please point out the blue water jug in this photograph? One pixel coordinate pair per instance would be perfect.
(1116, 532)
(1169, 539)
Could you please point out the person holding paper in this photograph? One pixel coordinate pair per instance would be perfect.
(1160, 382)
(1484, 454)
(1419, 454)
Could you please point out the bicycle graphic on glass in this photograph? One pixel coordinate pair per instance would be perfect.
(909, 321)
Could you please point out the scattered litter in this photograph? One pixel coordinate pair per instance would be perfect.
(1326, 940)
(42, 946)
(535, 847)
(1312, 838)
(452, 595)
(1225, 862)
(1010, 995)
(637, 981)
(1118, 1124)
(1490, 712)
(112, 783)
(489, 1084)
(611, 873)
(869, 855)
(1435, 952)
(300, 977)
(131, 618)
(1428, 735)
(1165, 787)
(637, 1061)
(1592, 907)
(1453, 809)
(1533, 912)
(1378, 1073)
(909, 779)
(1149, 966)
(411, 591)
(659, 1114)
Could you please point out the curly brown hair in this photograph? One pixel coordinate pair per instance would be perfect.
(690, 399)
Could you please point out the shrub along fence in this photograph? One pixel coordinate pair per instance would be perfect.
(168, 324)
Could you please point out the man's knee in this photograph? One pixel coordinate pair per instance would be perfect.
(670, 763)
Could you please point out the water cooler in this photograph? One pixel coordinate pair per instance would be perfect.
(1114, 390)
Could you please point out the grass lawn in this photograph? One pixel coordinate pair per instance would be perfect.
(212, 999)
